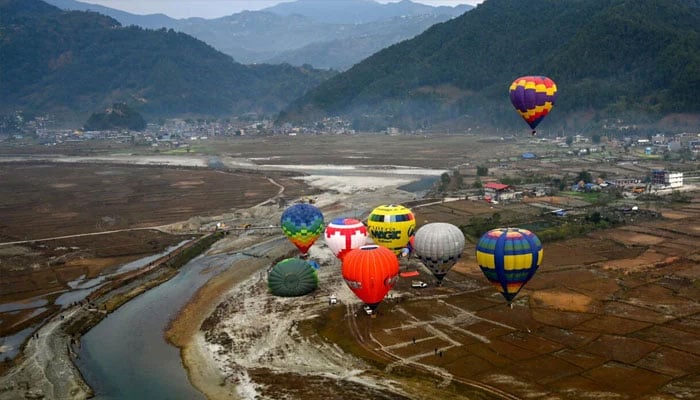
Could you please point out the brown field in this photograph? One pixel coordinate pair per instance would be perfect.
(41, 201)
(611, 315)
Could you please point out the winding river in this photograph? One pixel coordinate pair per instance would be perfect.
(126, 356)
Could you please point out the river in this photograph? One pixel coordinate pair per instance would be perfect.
(126, 356)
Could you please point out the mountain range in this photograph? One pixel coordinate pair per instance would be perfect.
(324, 34)
(612, 60)
(74, 63)
(618, 63)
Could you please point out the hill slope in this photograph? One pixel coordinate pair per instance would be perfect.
(631, 58)
(79, 62)
(325, 34)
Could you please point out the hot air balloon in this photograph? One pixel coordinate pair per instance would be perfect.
(370, 272)
(509, 257)
(391, 226)
(303, 224)
(345, 234)
(439, 246)
(292, 277)
(533, 98)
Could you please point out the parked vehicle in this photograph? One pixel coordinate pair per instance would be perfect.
(418, 284)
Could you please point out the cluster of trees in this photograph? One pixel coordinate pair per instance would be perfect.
(119, 116)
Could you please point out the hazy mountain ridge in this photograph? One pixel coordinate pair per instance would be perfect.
(284, 32)
(342, 51)
(361, 11)
(79, 62)
(611, 57)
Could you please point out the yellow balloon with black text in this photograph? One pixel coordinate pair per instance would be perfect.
(391, 226)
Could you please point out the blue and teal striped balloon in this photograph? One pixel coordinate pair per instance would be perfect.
(509, 257)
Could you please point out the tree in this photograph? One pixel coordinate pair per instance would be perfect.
(583, 176)
(445, 178)
(569, 140)
(481, 170)
(444, 181)
(458, 179)
(595, 138)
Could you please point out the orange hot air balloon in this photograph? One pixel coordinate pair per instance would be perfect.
(370, 272)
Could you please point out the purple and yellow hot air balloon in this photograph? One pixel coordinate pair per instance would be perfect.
(302, 224)
(509, 257)
(533, 98)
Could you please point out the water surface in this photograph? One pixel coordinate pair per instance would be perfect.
(126, 356)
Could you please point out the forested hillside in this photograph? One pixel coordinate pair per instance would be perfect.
(80, 62)
(636, 60)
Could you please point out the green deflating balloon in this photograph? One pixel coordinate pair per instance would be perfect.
(292, 277)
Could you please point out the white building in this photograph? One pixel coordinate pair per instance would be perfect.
(666, 178)
(674, 179)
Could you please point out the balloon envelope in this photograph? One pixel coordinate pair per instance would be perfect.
(439, 246)
(391, 226)
(509, 257)
(292, 277)
(370, 272)
(345, 234)
(302, 224)
(533, 98)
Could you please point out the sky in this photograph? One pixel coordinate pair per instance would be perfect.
(220, 8)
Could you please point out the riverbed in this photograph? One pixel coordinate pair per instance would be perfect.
(126, 355)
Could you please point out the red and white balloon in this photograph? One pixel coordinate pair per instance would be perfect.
(345, 234)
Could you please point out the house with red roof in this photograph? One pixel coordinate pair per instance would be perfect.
(498, 192)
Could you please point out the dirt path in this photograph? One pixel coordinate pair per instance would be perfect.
(47, 371)
(158, 228)
(161, 228)
(387, 352)
(271, 199)
(374, 346)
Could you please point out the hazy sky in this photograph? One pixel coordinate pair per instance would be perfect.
(220, 8)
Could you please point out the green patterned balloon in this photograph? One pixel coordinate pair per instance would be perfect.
(292, 277)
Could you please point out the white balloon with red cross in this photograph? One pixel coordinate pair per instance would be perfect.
(345, 234)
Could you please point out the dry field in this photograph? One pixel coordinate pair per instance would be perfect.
(105, 206)
(40, 200)
(612, 315)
